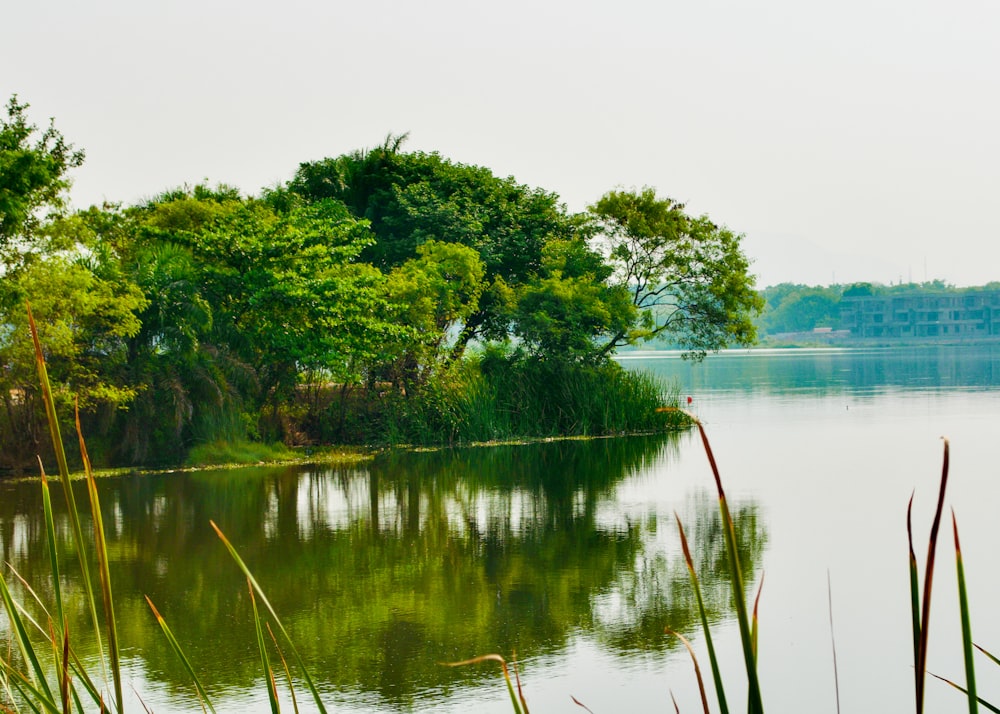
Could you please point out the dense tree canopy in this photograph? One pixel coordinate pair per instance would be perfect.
(412, 198)
(687, 277)
(340, 305)
(33, 173)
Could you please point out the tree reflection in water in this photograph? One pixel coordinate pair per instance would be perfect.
(383, 571)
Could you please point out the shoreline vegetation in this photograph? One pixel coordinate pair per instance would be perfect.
(378, 298)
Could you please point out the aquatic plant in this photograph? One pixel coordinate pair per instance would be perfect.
(43, 670)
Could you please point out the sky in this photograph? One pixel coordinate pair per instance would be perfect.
(848, 141)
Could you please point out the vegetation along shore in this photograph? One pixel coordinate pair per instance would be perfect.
(378, 297)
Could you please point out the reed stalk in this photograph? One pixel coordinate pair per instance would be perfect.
(310, 684)
(517, 700)
(963, 602)
(922, 606)
(720, 691)
(747, 636)
(74, 516)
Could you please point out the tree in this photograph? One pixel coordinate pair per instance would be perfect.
(84, 321)
(571, 306)
(32, 175)
(432, 295)
(804, 310)
(687, 277)
(413, 198)
(288, 293)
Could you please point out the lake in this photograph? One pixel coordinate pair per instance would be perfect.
(567, 552)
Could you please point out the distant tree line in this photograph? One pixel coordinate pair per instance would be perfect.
(362, 292)
(793, 307)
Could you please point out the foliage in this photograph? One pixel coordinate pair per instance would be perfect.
(687, 277)
(571, 306)
(287, 293)
(412, 198)
(432, 294)
(32, 174)
(503, 396)
(339, 306)
(86, 322)
(799, 308)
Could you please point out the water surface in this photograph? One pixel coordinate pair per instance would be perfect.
(567, 553)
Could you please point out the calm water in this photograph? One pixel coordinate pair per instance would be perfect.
(567, 552)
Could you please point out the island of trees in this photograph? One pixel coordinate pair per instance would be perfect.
(382, 296)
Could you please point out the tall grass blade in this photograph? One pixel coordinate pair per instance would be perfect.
(753, 620)
(27, 649)
(37, 698)
(202, 694)
(263, 598)
(914, 591)
(50, 532)
(713, 660)
(697, 670)
(755, 703)
(580, 704)
(925, 611)
(284, 663)
(77, 666)
(506, 675)
(62, 663)
(963, 601)
(963, 690)
(272, 692)
(84, 678)
(64, 680)
(520, 690)
(74, 514)
(993, 658)
(833, 642)
(104, 573)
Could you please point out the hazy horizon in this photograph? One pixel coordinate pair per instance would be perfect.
(851, 142)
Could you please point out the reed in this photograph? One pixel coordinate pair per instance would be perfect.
(44, 673)
(500, 398)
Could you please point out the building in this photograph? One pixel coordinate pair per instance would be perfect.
(943, 315)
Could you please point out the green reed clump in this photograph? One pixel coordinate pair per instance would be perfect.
(503, 397)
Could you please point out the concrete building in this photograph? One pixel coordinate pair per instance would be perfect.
(951, 316)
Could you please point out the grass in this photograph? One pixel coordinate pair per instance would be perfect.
(504, 398)
(218, 453)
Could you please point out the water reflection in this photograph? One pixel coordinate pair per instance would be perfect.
(832, 370)
(381, 572)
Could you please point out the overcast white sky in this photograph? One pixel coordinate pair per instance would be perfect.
(856, 140)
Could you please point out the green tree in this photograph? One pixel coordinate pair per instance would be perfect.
(432, 295)
(571, 306)
(33, 176)
(860, 290)
(188, 386)
(412, 198)
(289, 294)
(798, 308)
(687, 277)
(84, 322)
